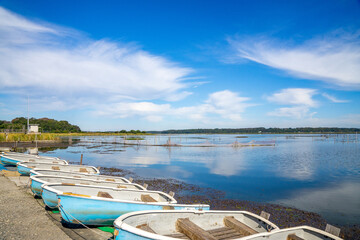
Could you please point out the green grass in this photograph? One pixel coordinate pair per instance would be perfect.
(22, 137)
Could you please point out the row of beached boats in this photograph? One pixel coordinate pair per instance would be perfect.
(84, 196)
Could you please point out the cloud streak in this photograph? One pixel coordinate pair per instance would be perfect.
(331, 59)
(226, 104)
(54, 61)
(300, 99)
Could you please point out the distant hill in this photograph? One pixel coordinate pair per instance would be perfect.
(45, 124)
(260, 130)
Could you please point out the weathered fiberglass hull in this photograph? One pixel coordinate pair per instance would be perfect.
(94, 205)
(163, 224)
(37, 181)
(99, 212)
(12, 160)
(25, 168)
(80, 175)
(302, 232)
(9, 161)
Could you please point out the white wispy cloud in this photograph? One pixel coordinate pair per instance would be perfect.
(294, 96)
(299, 99)
(334, 59)
(47, 61)
(225, 104)
(333, 99)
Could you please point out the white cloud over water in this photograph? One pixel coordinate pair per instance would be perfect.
(299, 99)
(227, 104)
(334, 59)
(40, 59)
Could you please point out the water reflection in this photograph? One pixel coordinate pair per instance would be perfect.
(297, 163)
(227, 164)
(290, 168)
(337, 203)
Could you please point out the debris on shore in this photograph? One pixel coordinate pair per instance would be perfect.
(187, 193)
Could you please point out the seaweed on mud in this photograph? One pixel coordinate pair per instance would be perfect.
(186, 193)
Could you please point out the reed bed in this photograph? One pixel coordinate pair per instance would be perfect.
(22, 137)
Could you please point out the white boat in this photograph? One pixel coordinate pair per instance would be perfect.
(94, 205)
(26, 167)
(37, 181)
(171, 225)
(80, 175)
(295, 233)
(14, 159)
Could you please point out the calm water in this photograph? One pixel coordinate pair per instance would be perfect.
(307, 172)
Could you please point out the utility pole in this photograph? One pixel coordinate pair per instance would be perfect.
(28, 116)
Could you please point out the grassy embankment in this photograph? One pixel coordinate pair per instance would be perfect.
(21, 137)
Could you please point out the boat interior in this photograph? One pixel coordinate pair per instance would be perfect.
(295, 234)
(84, 181)
(111, 193)
(77, 175)
(206, 225)
(57, 167)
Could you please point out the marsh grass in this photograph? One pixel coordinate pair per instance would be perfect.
(15, 137)
(21, 137)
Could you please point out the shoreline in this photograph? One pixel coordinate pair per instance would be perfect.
(282, 216)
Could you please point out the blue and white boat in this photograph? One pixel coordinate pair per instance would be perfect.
(38, 180)
(171, 225)
(12, 160)
(25, 168)
(93, 205)
(295, 233)
(108, 178)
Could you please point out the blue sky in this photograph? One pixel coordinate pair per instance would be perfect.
(155, 65)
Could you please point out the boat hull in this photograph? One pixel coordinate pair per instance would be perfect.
(49, 198)
(98, 212)
(79, 175)
(8, 161)
(164, 223)
(303, 232)
(37, 181)
(24, 169)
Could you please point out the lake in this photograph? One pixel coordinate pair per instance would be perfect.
(310, 172)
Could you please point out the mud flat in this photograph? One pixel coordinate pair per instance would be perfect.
(281, 215)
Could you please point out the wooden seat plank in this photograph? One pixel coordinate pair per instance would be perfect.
(83, 170)
(147, 198)
(224, 233)
(294, 237)
(193, 231)
(146, 227)
(104, 194)
(240, 227)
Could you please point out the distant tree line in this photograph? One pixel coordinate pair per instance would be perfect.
(45, 124)
(261, 130)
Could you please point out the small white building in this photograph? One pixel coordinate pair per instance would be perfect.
(33, 128)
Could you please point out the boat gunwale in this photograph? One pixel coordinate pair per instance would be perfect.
(61, 193)
(36, 173)
(97, 172)
(326, 234)
(20, 158)
(43, 162)
(120, 224)
(36, 177)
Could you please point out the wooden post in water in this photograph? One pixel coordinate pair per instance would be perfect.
(81, 159)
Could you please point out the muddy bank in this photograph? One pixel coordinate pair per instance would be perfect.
(40, 144)
(281, 215)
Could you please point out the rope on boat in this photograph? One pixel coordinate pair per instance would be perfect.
(82, 224)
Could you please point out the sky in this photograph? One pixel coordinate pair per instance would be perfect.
(157, 65)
